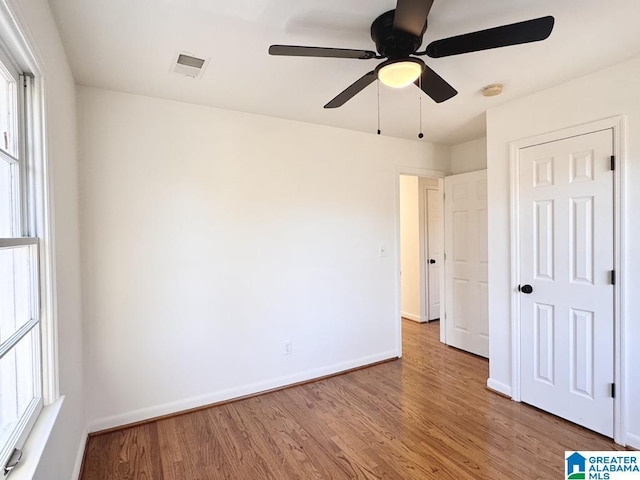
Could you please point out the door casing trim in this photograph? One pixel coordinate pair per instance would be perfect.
(416, 172)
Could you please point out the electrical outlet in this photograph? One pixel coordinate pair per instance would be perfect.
(288, 347)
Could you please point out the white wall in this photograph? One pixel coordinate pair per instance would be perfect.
(605, 94)
(469, 156)
(211, 237)
(67, 437)
(409, 247)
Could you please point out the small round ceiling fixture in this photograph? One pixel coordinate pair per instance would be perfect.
(492, 90)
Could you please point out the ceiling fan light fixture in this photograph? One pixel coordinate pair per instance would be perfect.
(399, 73)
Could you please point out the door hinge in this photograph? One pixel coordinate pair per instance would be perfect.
(613, 162)
(613, 277)
(613, 390)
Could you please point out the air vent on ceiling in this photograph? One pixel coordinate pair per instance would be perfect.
(188, 65)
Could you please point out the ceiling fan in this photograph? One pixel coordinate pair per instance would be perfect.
(398, 35)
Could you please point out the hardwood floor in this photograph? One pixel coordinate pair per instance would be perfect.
(427, 416)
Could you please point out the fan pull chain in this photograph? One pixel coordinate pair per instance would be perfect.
(378, 84)
(420, 134)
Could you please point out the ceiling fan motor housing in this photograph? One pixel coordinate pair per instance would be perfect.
(393, 43)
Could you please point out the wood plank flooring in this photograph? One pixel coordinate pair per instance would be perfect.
(426, 416)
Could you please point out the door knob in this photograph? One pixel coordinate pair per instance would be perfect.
(525, 289)
(432, 261)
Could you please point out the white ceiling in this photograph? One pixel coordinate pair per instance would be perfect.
(129, 45)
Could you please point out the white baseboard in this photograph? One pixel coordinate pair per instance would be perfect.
(80, 456)
(233, 393)
(411, 316)
(633, 441)
(499, 387)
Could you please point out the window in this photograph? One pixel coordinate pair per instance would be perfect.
(20, 330)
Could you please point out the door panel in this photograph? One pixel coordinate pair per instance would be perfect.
(582, 355)
(434, 251)
(566, 255)
(581, 234)
(544, 328)
(483, 313)
(466, 302)
(543, 230)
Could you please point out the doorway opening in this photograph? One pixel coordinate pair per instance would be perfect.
(421, 230)
(442, 261)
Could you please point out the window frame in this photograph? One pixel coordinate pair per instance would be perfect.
(22, 236)
(35, 205)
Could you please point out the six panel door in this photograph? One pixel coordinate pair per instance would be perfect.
(466, 285)
(566, 257)
(434, 251)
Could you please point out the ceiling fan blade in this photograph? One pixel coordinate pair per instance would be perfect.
(300, 51)
(352, 90)
(411, 16)
(435, 86)
(513, 34)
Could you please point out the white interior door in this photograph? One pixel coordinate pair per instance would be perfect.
(434, 256)
(566, 258)
(465, 246)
